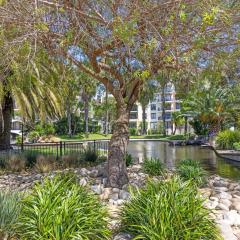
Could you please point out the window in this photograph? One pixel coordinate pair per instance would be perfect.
(168, 107)
(132, 125)
(153, 115)
(168, 98)
(133, 115)
(178, 106)
(135, 108)
(168, 116)
(153, 107)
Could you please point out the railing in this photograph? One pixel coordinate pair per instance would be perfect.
(58, 149)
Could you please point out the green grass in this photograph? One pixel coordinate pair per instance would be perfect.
(97, 136)
(168, 210)
(153, 166)
(61, 209)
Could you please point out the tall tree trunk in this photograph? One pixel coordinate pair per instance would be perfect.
(185, 125)
(69, 120)
(163, 110)
(86, 112)
(144, 128)
(117, 171)
(5, 121)
(106, 128)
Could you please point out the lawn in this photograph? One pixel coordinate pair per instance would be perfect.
(98, 136)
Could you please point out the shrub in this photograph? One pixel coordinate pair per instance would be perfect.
(16, 163)
(133, 131)
(89, 155)
(191, 170)
(9, 209)
(62, 209)
(236, 146)
(168, 210)
(128, 159)
(45, 164)
(153, 166)
(227, 138)
(33, 136)
(177, 137)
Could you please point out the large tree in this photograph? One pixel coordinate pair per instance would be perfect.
(122, 43)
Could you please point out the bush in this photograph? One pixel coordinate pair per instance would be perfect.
(191, 170)
(133, 131)
(9, 209)
(227, 138)
(128, 159)
(45, 164)
(236, 146)
(90, 155)
(168, 210)
(153, 166)
(16, 163)
(177, 137)
(62, 209)
(33, 136)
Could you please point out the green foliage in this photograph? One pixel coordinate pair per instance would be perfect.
(153, 166)
(128, 159)
(9, 210)
(133, 131)
(89, 155)
(236, 146)
(33, 136)
(227, 138)
(168, 210)
(45, 129)
(77, 126)
(18, 139)
(177, 137)
(62, 209)
(191, 170)
(199, 127)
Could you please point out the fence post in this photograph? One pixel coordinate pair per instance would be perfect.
(94, 145)
(61, 153)
(57, 151)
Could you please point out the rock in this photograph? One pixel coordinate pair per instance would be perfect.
(120, 202)
(83, 182)
(122, 236)
(226, 202)
(115, 190)
(226, 231)
(236, 204)
(211, 204)
(232, 217)
(214, 199)
(220, 183)
(114, 196)
(205, 192)
(222, 207)
(93, 173)
(105, 193)
(224, 195)
(84, 172)
(221, 189)
(97, 189)
(124, 195)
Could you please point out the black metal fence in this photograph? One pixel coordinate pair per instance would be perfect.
(58, 149)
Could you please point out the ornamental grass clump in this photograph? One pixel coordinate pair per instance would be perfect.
(61, 209)
(191, 170)
(168, 210)
(227, 138)
(153, 166)
(9, 210)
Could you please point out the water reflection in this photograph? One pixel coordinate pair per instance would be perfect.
(171, 155)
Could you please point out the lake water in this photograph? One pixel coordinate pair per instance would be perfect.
(171, 155)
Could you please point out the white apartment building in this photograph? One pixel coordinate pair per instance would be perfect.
(154, 112)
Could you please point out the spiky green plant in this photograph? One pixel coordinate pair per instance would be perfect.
(153, 166)
(168, 210)
(189, 169)
(227, 138)
(62, 209)
(9, 210)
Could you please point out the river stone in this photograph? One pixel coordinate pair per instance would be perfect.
(226, 202)
(221, 206)
(236, 204)
(122, 236)
(226, 231)
(97, 189)
(83, 182)
(224, 195)
(124, 195)
(232, 217)
(220, 184)
(114, 196)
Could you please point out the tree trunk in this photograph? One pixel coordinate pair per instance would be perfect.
(69, 120)
(163, 110)
(86, 113)
(185, 125)
(5, 122)
(107, 115)
(144, 129)
(117, 171)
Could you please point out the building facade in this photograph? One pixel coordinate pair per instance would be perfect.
(154, 112)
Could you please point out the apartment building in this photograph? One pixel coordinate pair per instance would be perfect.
(154, 111)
